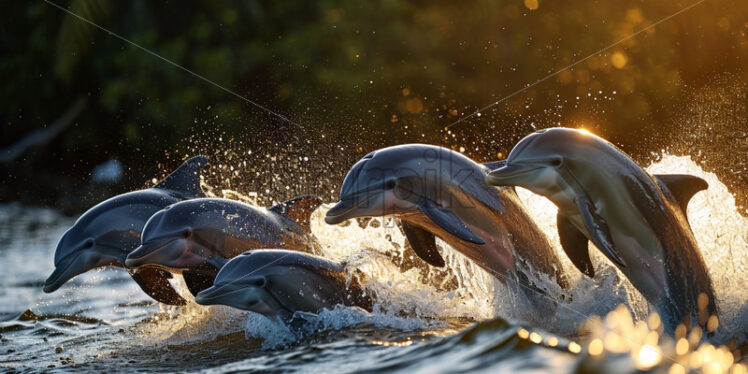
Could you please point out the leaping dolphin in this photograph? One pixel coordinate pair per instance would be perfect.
(196, 237)
(106, 233)
(435, 191)
(637, 220)
(281, 283)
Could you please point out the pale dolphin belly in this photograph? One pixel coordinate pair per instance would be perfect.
(644, 265)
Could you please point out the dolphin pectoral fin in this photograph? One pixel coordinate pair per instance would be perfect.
(423, 243)
(298, 209)
(200, 278)
(450, 222)
(186, 179)
(155, 283)
(598, 230)
(196, 281)
(574, 244)
(682, 186)
(495, 164)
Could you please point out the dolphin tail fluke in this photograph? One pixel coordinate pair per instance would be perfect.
(598, 229)
(450, 222)
(186, 179)
(155, 283)
(574, 244)
(299, 209)
(682, 186)
(423, 243)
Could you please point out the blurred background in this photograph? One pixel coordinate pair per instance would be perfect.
(86, 115)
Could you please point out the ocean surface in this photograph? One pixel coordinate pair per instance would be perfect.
(425, 320)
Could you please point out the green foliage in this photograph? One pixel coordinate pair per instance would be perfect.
(401, 70)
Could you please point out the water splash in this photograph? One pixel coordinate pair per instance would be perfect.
(418, 298)
(621, 343)
(277, 334)
(722, 234)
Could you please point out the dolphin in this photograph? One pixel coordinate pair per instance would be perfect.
(279, 283)
(106, 233)
(196, 237)
(434, 192)
(637, 220)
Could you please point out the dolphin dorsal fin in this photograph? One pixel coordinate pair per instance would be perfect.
(682, 186)
(299, 209)
(186, 179)
(495, 164)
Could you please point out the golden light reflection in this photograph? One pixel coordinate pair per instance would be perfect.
(524, 334)
(677, 369)
(615, 343)
(536, 338)
(596, 347)
(681, 347)
(648, 348)
(647, 357)
(712, 323)
(414, 105)
(392, 344)
(552, 341)
(531, 4)
(574, 347)
(619, 60)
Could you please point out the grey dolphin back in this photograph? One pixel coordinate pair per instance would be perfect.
(185, 181)
(682, 187)
(298, 209)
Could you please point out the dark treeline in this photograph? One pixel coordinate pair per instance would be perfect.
(350, 77)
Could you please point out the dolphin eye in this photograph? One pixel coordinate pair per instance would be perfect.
(557, 162)
(259, 282)
(88, 244)
(390, 184)
(187, 233)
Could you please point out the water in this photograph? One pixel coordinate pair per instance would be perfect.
(426, 320)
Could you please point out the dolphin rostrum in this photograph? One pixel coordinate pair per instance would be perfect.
(196, 237)
(434, 192)
(281, 283)
(106, 233)
(637, 220)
